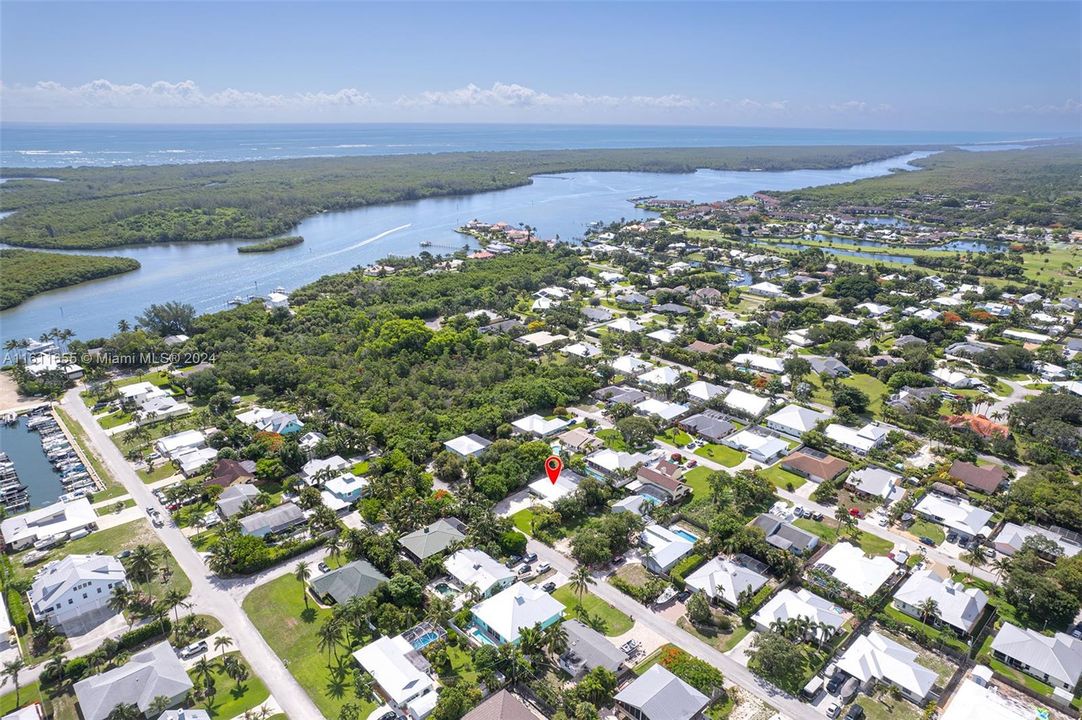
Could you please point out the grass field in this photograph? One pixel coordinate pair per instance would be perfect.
(870, 544)
(612, 622)
(696, 480)
(277, 609)
(779, 477)
(612, 438)
(722, 454)
(676, 437)
(230, 698)
(923, 528)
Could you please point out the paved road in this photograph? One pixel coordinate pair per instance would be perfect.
(207, 596)
(734, 672)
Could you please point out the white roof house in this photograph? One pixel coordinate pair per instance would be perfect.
(520, 606)
(193, 460)
(758, 362)
(788, 605)
(761, 448)
(661, 408)
(767, 289)
(841, 319)
(954, 513)
(467, 445)
(874, 309)
(400, 671)
(722, 579)
(795, 420)
(476, 567)
(985, 701)
(1010, 539)
(625, 324)
(609, 461)
(958, 606)
(1055, 659)
(630, 365)
(860, 441)
(314, 469)
(666, 548)
(76, 587)
(62, 517)
(953, 378)
(582, 349)
(877, 482)
(746, 403)
(702, 391)
(347, 487)
(180, 442)
(874, 656)
(664, 376)
(665, 335)
(549, 492)
(539, 426)
(848, 564)
(540, 339)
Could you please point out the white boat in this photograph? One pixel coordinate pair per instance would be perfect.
(237, 300)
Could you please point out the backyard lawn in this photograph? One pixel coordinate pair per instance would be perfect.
(277, 609)
(923, 528)
(676, 437)
(722, 454)
(884, 707)
(230, 698)
(779, 477)
(870, 544)
(612, 438)
(696, 479)
(611, 621)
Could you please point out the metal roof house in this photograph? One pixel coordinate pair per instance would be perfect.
(151, 673)
(659, 695)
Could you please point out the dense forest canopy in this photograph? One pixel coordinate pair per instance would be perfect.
(24, 273)
(108, 207)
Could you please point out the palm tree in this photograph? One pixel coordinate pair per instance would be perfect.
(334, 546)
(531, 640)
(124, 711)
(158, 706)
(143, 563)
(204, 672)
(330, 636)
(1001, 566)
(234, 668)
(556, 639)
(977, 555)
(581, 580)
(121, 600)
(221, 643)
(174, 600)
(302, 573)
(11, 671)
(928, 608)
(56, 666)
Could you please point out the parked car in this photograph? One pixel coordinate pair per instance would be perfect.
(549, 586)
(855, 713)
(798, 511)
(833, 709)
(952, 537)
(683, 595)
(192, 650)
(524, 570)
(849, 690)
(513, 561)
(835, 684)
(693, 463)
(817, 516)
(543, 567)
(124, 554)
(927, 540)
(529, 557)
(324, 567)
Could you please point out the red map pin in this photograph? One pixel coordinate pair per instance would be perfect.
(553, 466)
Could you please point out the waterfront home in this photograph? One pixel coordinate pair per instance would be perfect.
(606, 463)
(476, 567)
(433, 539)
(725, 581)
(785, 536)
(860, 441)
(355, 579)
(760, 447)
(401, 675)
(233, 499)
(795, 420)
(178, 443)
(657, 694)
(847, 564)
(58, 519)
(766, 289)
(1053, 659)
(709, 424)
(266, 420)
(1012, 536)
(503, 616)
(956, 605)
(788, 605)
(663, 548)
(467, 445)
(149, 675)
(746, 404)
(814, 465)
(955, 514)
(538, 426)
(588, 649)
(877, 483)
(73, 594)
(877, 658)
(983, 479)
(272, 522)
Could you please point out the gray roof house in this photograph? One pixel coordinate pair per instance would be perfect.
(597, 314)
(785, 536)
(659, 695)
(149, 674)
(500, 706)
(234, 497)
(184, 714)
(710, 424)
(673, 309)
(587, 649)
(1056, 660)
(828, 366)
(355, 579)
(276, 520)
(434, 539)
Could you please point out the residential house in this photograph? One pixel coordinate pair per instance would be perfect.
(588, 649)
(606, 463)
(477, 568)
(540, 340)
(663, 548)
(725, 581)
(194, 462)
(785, 536)
(701, 391)
(613, 395)
(814, 465)
(828, 367)
(956, 605)
(860, 441)
(503, 616)
(794, 420)
(704, 348)
(58, 519)
(467, 445)
(760, 447)
(275, 521)
(433, 539)
(666, 411)
(664, 376)
(233, 499)
(983, 479)
(662, 481)
(73, 594)
(501, 705)
(231, 472)
(579, 440)
(354, 579)
(401, 674)
(789, 605)
(1052, 659)
(153, 673)
(178, 443)
(274, 421)
(760, 363)
(908, 399)
(549, 492)
(954, 513)
(766, 289)
(657, 694)
(538, 426)
(1012, 536)
(746, 404)
(315, 472)
(663, 335)
(848, 565)
(625, 325)
(877, 483)
(630, 365)
(583, 350)
(346, 488)
(875, 657)
(709, 424)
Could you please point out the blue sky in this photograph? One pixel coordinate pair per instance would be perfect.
(913, 65)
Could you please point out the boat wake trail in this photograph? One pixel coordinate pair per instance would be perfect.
(369, 241)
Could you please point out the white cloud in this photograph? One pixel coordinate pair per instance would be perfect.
(859, 107)
(1068, 107)
(513, 95)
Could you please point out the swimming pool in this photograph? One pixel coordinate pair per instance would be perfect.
(684, 534)
(419, 643)
(481, 636)
(444, 589)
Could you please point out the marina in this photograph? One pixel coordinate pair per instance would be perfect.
(38, 464)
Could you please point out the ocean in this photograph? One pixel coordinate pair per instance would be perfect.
(49, 146)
